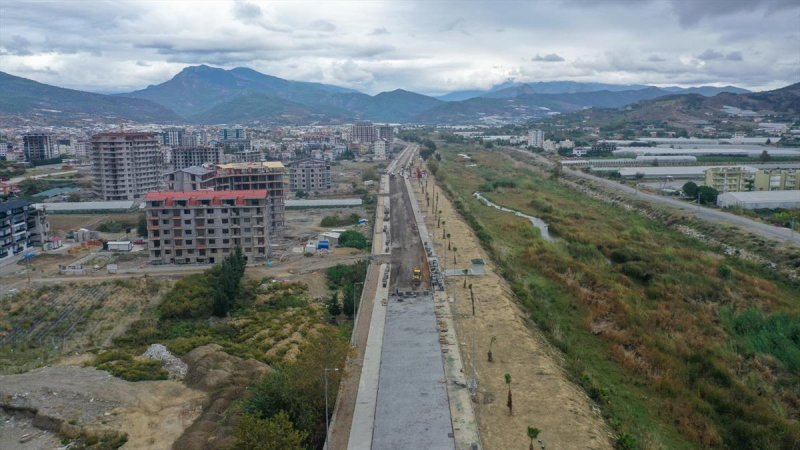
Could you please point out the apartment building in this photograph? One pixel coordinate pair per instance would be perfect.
(193, 178)
(21, 226)
(268, 175)
(39, 146)
(730, 179)
(536, 138)
(776, 180)
(125, 165)
(309, 175)
(203, 227)
(363, 133)
(379, 149)
(183, 157)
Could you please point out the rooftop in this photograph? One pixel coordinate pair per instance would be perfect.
(764, 196)
(215, 196)
(13, 204)
(121, 205)
(272, 165)
(195, 170)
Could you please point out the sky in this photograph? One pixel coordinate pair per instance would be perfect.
(426, 46)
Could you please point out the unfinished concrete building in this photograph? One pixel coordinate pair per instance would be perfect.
(204, 227)
(125, 165)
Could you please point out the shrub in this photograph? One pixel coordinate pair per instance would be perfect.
(353, 239)
(623, 255)
(125, 366)
(275, 433)
(638, 271)
(339, 221)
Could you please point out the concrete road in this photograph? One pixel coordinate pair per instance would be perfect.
(761, 229)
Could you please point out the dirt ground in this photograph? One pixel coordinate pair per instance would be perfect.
(543, 395)
(153, 413)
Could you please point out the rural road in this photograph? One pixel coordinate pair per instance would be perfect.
(764, 230)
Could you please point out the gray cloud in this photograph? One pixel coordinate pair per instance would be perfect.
(734, 56)
(551, 57)
(246, 11)
(655, 58)
(710, 55)
(379, 31)
(713, 55)
(323, 25)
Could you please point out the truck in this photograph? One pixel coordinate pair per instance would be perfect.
(416, 276)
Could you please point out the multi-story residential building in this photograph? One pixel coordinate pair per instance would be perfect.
(174, 137)
(309, 175)
(730, 179)
(21, 227)
(386, 132)
(227, 134)
(536, 138)
(125, 165)
(776, 180)
(193, 178)
(268, 175)
(39, 146)
(204, 227)
(363, 133)
(183, 157)
(379, 149)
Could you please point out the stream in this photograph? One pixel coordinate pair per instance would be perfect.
(535, 221)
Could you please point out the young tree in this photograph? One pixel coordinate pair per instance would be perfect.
(466, 272)
(707, 194)
(454, 256)
(533, 433)
(491, 343)
(141, 226)
(764, 157)
(333, 306)
(509, 402)
(444, 230)
(448, 241)
(472, 296)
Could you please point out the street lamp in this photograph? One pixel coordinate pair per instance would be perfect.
(327, 418)
(356, 311)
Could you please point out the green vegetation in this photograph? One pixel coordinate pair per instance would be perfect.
(353, 239)
(297, 389)
(9, 170)
(124, 365)
(339, 221)
(275, 433)
(346, 282)
(679, 345)
(212, 292)
(114, 226)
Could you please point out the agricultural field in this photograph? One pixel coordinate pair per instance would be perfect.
(679, 344)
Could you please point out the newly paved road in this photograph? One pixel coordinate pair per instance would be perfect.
(758, 228)
(412, 411)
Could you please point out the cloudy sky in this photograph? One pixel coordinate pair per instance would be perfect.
(427, 46)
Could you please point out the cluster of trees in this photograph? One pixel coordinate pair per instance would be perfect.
(705, 194)
(211, 292)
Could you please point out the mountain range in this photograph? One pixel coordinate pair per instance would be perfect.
(209, 95)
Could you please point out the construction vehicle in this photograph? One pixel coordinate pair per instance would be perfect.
(416, 276)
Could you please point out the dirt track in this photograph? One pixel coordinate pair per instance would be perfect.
(544, 397)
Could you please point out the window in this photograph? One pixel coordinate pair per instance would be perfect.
(212, 241)
(187, 211)
(187, 222)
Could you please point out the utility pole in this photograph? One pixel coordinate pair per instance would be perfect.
(356, 312)
(327, 417)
